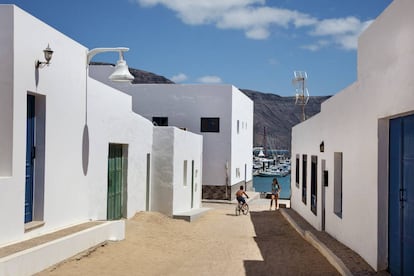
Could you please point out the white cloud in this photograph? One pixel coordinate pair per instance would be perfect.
(258, 33)
(255, 18)
(210, 79)
(273, 61)
(311, 47)
(200, 12)
(337, 26)
(343, 31)
(251, 16)
(316, 46)
(179, 78)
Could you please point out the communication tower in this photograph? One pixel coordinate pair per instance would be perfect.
(302, 93)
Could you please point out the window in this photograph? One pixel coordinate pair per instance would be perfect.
(297, 170)
(314, 183)
(160, 121)
(338, 183)
(304, 176)
(210, 124)
(185, 173)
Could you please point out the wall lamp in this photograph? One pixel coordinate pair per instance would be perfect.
(121, 72)
(48, 56)
(322, 146)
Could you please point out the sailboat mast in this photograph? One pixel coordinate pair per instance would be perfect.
(264, 141)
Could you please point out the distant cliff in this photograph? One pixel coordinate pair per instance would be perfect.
(278, 114)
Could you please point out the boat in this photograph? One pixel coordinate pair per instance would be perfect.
(273, 172)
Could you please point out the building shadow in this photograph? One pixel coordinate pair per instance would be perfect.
(283, 250)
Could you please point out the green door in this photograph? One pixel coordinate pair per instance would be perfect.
(115, 182)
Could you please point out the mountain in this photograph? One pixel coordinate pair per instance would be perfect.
(278, 115)
(141, 76)
(275, 113)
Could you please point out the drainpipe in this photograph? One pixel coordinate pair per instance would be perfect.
(245, 177)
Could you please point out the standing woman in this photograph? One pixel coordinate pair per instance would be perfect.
(275, 193)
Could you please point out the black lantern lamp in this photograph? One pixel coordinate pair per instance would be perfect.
(48, 56)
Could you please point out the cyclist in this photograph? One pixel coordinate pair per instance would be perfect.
(239, 196)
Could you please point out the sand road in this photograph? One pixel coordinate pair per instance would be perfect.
(218, 243)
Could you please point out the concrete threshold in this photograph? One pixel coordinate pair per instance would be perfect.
(191, 215)
(34, 255)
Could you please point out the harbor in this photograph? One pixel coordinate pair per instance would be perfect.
(271, 163)
(263, 185)
(267, 165)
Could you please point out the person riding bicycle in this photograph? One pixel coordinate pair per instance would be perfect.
(239, 196)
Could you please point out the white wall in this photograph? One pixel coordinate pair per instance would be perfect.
(171, 147)
(69, 196)
(189, 147)
(241, 139)
(63, 132)
(111, 120)
(162, 169)
(7, 181)
(349, 123)
(6, 91)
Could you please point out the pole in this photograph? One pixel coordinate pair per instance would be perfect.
(303, 100)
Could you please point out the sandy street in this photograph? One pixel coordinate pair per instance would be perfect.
(218, 243)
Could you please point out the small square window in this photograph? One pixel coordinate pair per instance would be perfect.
(185, 173)
(160, 121)
(210, 124)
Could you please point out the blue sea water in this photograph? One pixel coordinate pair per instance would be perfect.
(263, 184)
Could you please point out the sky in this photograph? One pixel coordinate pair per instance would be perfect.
(252, 44)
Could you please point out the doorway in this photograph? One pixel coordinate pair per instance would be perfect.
(30, 156)
(401, 196)
(35, 158)
(314, 184)
(116, 181)
(324, 179)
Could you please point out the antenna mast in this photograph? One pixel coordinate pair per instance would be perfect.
(302, 93)
(264, 141)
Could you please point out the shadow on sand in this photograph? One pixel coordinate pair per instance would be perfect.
(283, 250)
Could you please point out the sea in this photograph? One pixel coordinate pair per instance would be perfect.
(264, 183)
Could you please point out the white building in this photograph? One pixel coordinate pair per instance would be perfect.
(177, 165)
(72, 149)
(221, 113)
(354, 160)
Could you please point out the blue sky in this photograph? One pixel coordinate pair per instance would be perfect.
(253, 44)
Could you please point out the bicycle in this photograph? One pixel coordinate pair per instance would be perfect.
(242, 208)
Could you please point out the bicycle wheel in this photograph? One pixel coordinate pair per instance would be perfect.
(245, 209)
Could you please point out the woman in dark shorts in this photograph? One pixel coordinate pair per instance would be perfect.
(275, 193)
